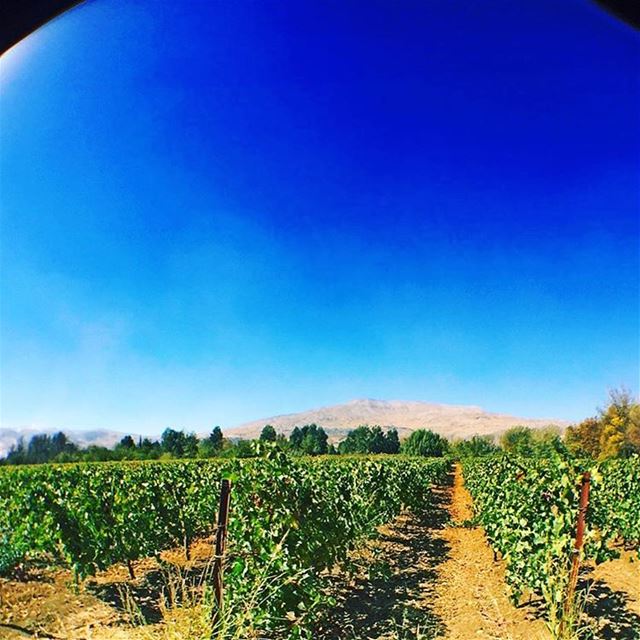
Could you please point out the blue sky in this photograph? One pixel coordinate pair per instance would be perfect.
(217, 211)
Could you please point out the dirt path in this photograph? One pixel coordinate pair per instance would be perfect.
(429, 578)
(435, 577)
(470, 593)
(389, 593)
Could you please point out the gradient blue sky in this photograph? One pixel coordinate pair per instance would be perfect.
(217, 211)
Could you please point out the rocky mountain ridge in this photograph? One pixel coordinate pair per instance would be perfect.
(451, 421)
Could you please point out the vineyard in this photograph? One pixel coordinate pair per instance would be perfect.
(529, 507)
(294, 519)
(290, 520)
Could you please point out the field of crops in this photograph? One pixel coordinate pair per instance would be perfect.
(529, 509)
(293, 518)
(290, 519)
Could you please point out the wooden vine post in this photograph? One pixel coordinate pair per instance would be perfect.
(579, 542)
(221, 541)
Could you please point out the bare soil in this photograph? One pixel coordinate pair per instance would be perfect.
(436, 577)
(441, 582)
(613, 603)
(389, 590)
(471, 594)
(44, 603)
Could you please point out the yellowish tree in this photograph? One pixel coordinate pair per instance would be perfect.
(584, 438)
(620, 425)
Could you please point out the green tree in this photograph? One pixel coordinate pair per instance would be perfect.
(243, 449)
(518, 440)
(212, 445)
(17, 452)
(474, 447)
(149, 449)
(295, 439)
(39, 449)
(216, 438)
(268, 434)
(392, 444)
(365, 439)
(61, 444)
(547, 441)
(358, 440)
(95, 453)
(312, 440)
(173, 442)
(378, 440)
(190, 445)
(424, 442)
(126, 442)
(282, 442)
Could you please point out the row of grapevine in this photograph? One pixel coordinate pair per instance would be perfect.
(616, 503)
(290, 519)
(528, 508)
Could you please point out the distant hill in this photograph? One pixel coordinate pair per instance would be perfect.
(451, 421)
(100, 437)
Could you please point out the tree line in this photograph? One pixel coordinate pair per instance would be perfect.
(613, 433)
(309, 439)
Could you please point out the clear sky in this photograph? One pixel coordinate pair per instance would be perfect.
(217, 211)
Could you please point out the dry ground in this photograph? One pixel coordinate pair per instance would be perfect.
(471, 594)
(436, 577)
(422, 578)
(47, 604)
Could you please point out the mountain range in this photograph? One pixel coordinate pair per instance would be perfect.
(451, 421)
